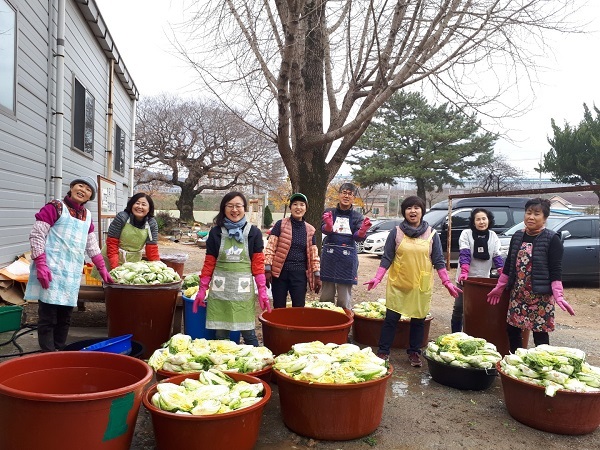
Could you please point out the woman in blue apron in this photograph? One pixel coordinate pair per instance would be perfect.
(342, 227)
(234, 261)
(412, 250)
(61, 236)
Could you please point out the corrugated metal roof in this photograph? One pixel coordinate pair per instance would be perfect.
(96, 22)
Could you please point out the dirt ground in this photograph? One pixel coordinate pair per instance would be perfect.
(418, 412)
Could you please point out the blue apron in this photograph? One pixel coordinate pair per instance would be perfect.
(65, 255)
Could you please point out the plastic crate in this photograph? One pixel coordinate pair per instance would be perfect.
(10, 318)
(89, 279)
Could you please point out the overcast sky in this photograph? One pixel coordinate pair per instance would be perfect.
(140, 29)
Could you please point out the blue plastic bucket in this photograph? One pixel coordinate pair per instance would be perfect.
(194, 324)
(119, 344)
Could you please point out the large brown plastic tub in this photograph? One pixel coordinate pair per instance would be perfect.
(234, 430)
(146, 311)
(70, 400)
(284, 327)
(567, 412)
(484, 320)
(367, 331)
(334, 412)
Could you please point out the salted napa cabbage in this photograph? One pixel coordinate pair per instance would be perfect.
(206, 407)
(158, 358)
(173, 400)
(179, 343)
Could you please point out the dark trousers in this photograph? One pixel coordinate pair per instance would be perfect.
(53, 326)
(515, 338)
(456, 322)
(249, 336)
(293, 282)
(388, 331)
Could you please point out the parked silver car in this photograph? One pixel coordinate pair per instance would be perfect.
(581, 239)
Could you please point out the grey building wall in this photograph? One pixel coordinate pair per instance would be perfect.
(27, 137)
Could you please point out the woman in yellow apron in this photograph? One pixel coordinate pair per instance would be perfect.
(411, 252)
(130, 231)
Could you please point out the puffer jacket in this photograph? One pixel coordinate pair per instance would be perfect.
(278, 248)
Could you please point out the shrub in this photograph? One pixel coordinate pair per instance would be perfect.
(165, 221)
(268, 217)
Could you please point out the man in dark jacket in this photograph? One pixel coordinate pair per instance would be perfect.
(342, 227)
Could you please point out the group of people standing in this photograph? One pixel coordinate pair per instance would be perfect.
(236, 261)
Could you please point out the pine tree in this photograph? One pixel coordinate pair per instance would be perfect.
(268, 217)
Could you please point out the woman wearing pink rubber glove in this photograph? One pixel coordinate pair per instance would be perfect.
(63, 233)
(234, 256)
(479, 252)
(532, 274)
(412, 250)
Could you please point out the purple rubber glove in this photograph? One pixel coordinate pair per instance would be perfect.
(44, 275)
(201, 294)
(328, 220)
(362, 232)
(464, 272)
(268, 278)
(263, 298)
(373, 282)
(98, 261)
(493, 298)
(453, 290)
(557, 293)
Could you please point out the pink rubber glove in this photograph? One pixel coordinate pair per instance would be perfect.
(201, 294)
(328, 219)
(453, 290)
(44, 275)
(464, 272)
(493, 298)
(263, 298)
(373, 282)
(557, 293)
(98, 261)
(362, 232)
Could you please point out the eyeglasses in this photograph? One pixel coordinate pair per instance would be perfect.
(347, 194)
(236, 206)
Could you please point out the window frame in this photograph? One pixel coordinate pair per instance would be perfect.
(119, 156)
(76, 110)
(12, 112)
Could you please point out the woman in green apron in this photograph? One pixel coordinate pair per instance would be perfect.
(411, 252)
(234, 255)
(130, 231)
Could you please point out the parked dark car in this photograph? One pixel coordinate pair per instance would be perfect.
(581, 240)
(507, 211)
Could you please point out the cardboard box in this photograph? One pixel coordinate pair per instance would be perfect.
(12, 291)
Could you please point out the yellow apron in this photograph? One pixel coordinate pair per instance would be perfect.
(410, 278)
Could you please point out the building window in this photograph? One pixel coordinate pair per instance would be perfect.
(119, 150)
(8, 52)
(83, 119)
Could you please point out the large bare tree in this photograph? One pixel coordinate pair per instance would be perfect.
(498, 175)
(316, 71)
(199, 146)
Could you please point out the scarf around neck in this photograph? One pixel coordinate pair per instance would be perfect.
(480, 244)
(413, 232)
(235, 228)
